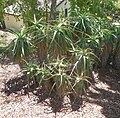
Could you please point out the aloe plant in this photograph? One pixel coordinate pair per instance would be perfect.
(116, 51)
(60, 75)
(82, 68)
(80, 85)
(85, 28)
(61, 40)
(39, 34)
(106, 40)
(36, 74)
(21, 47)
(94, 33)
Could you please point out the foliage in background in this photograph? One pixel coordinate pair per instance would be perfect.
(100, 8)
(28, 9)
(2, 6)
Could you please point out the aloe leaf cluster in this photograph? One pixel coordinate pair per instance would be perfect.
(65, 52)
(20, 48)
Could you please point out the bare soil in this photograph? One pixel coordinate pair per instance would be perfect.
(19, 101)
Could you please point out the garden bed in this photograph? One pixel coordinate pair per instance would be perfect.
(17, 101)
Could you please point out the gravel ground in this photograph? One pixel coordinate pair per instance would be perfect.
(102, 101)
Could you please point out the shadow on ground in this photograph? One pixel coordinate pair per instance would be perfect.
(108, 99)
(19, 86)
(5, 60)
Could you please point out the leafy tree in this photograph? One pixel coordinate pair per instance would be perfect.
(2, 6)
(28, 9)
(101, 8)
(36, 8)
